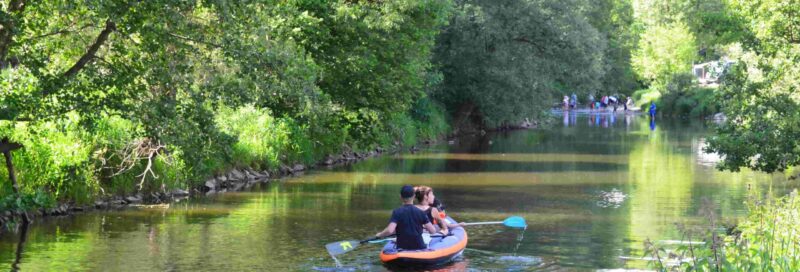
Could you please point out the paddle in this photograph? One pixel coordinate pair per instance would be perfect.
(341, 247)
(516, 222)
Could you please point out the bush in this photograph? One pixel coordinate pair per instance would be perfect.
(766, 240)
(430, 118)
(55, 157)
(260, 138)
(26, 201)
(70, 159)
(679, 96)
(695, 102)
(643, 97)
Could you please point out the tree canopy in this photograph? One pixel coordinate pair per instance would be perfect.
(327, 75)
(101, 94)
(762, 96)
(508, 59)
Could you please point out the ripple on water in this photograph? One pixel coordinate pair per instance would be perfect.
(489, 260)
(611, 199)
(337, 269)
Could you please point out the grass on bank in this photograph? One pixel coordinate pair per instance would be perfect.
(62, 161)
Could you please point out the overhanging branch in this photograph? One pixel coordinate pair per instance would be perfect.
(110, 27)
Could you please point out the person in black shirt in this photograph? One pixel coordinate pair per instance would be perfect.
(408, 221)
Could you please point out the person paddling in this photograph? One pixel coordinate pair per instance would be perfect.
(408, 221)
(425, 199)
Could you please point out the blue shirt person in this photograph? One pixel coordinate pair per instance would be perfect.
(408, 222)
(573, 101)
(652, 109)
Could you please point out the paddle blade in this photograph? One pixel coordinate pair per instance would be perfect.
(515, 222)
(341, 247)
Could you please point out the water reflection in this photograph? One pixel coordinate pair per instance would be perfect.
(597, 118)
(23, 236)
(570, 118)
(591, 191)
(652, 123)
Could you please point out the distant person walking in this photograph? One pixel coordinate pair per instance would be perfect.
(615, 101)
(652, 110)
(573, 103)
(628, 101)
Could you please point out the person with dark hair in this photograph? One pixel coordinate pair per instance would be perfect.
(408, 221)
(442, 214)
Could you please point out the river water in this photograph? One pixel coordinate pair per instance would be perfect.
(592, 189)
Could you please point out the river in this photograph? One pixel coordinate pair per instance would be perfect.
(592, 188)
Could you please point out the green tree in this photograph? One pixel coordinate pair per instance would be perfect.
(762, 96)
(664, 50)
(138, 86)
(504, 61)
(614, 19)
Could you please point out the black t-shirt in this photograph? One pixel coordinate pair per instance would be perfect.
(409, 222)
(429, 214)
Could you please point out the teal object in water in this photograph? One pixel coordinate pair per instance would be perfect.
(516, 222)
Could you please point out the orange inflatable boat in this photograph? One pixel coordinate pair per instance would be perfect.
(441, 250)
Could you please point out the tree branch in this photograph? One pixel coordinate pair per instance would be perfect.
(194, 40)
(7, 145)
(63, 31)
(110, 27)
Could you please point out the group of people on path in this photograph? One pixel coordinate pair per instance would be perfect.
(410, 220)
(571, 102)
(609, 101)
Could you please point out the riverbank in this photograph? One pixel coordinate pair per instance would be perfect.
(626, 184)
(234, 180)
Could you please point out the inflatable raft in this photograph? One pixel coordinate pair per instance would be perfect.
(441, 250)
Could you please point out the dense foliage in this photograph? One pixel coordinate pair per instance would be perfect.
(759, 94)
(664, 50)
(504, 60)
(116, 97)
(762, 96)
(673, 36)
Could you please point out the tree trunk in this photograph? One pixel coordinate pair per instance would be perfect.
(6, 147)
(11, 175)
(7, 28)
